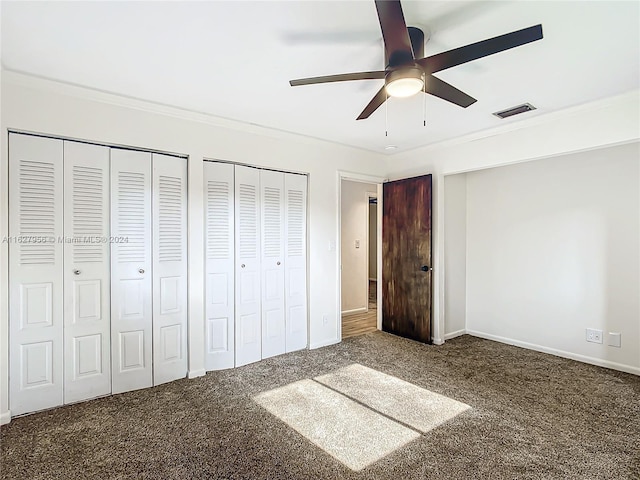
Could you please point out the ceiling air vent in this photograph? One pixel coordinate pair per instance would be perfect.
(510, 112)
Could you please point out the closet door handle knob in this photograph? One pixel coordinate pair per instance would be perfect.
(278, 263)
(242, 266)
(76, 272)
(141, 270)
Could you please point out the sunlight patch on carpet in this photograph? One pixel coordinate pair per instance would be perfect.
(351, 433)
(412, 405)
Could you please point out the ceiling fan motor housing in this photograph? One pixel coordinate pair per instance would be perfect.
(417, 37)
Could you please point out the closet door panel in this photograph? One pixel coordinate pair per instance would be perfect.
(272, 262)
(248, 324)
(131, 300)
(220, 267)
(86, 272)
(169, 268)
(296, 261)
(35, 266)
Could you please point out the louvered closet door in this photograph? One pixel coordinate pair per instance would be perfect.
(131, 301)
(87, 369)
(272, 263)
(169, 268)
(248, 325)
(35, 273)
(296, 260)
(220, 308)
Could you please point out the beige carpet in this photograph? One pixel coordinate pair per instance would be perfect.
(372, 407)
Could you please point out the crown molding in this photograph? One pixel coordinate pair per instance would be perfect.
(68, 89)
(630, 97)
(78, 91)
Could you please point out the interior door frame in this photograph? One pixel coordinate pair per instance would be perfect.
(361, 178)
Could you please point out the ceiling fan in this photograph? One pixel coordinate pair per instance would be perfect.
(408, 72)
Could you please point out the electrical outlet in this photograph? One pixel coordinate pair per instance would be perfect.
(594, 336)
(615, 339)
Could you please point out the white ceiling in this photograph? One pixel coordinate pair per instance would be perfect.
(234, 59)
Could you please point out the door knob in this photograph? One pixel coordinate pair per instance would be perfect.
(141, 270)
(425, 268)
(277, 263)
(242, 266)
(76, 272)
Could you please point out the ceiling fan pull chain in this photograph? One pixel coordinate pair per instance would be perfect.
(424, 110)
(386, 93)
(386, 115)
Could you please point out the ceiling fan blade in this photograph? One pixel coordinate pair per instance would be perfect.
(394, 32)
(375, 102)
(447, 92)
(458, 56)
(343, 77)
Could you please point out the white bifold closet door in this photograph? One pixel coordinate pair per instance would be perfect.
(131, 276)
(87, 369)
(169, 268)
(256, 244)
(272, 262)
(35, 266)
(295, 249)
(247, 244)
(219, 189)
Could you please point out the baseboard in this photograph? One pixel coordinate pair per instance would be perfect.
(354, 311)
(457, 333)
(5, 417)
(326, 343)
(558, 353)
(196, 373)
(437, 341)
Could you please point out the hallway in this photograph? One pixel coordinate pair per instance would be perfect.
(365, 322)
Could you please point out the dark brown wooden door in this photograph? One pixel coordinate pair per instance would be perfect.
(406, 258)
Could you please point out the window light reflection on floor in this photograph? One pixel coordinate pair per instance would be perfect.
(405, 402)
(359, 415)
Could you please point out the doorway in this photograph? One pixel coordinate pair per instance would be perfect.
(359, 257)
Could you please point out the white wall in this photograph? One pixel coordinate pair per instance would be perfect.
(373, 241)
(455, 255)
(553, 248)
(4, 228)
(354, 215)
(61, 110)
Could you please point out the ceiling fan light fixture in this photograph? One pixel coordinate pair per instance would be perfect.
(404, 82)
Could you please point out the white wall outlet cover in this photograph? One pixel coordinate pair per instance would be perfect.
(615, 339)
(594, 336)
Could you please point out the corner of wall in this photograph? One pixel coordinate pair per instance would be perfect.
(5, 417)
(325, 343)
(196, 373)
